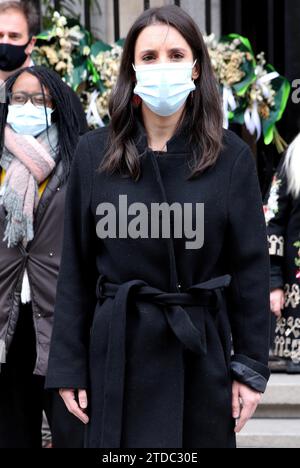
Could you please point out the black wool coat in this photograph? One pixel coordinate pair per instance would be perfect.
(145, 324)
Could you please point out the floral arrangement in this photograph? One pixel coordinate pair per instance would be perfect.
(107, 64)
(89, 67)
(254, 94)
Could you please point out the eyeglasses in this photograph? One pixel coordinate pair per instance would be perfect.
(37, 99)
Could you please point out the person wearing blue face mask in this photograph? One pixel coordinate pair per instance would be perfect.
(27, 113)
(39, 130)
(165, 87)
(148, 361)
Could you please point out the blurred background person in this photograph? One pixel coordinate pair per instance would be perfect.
(282, 211)
(19, 23)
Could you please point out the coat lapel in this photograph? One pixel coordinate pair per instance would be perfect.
(176, 145)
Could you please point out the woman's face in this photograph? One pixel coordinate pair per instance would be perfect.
(160, 44)
(27, 84)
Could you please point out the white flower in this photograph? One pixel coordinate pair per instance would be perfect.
(271, 209)
(61, 66)
(59, 32)
(62, 22)
(86, 51)
(75, 35)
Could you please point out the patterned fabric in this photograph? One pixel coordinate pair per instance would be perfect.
(42, 186)
(28, 161)
(282, 214)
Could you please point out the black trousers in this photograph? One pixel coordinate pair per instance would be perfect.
(23, 398)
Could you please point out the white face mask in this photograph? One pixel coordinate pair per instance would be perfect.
(164, 87)
(28, 119)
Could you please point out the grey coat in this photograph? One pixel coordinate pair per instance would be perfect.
(41, 258)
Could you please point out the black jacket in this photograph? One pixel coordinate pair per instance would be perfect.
(282, 211)
(145, 324)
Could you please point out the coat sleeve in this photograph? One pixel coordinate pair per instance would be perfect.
(277, 212)
(76, 298)
(248, 294)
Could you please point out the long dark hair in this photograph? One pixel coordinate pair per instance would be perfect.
(203, 115)
(63, 115)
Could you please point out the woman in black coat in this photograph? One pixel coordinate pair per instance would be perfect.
(165, 256)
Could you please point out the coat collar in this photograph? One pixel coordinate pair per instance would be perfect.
(178, 144)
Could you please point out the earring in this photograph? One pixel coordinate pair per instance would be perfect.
(136, 101)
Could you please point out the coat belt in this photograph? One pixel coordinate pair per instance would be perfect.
(208, 293)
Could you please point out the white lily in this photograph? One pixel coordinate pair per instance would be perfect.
(228, 104)
(92, 112)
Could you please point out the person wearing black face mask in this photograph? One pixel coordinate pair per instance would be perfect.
(12, 56)
(19, 23)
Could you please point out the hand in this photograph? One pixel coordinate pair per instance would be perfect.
(244, 404)
(277, 301)
(69, 397)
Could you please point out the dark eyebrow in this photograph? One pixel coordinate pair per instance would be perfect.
(173, 50)
(178, 49)
(16, 33)
(148, 51)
